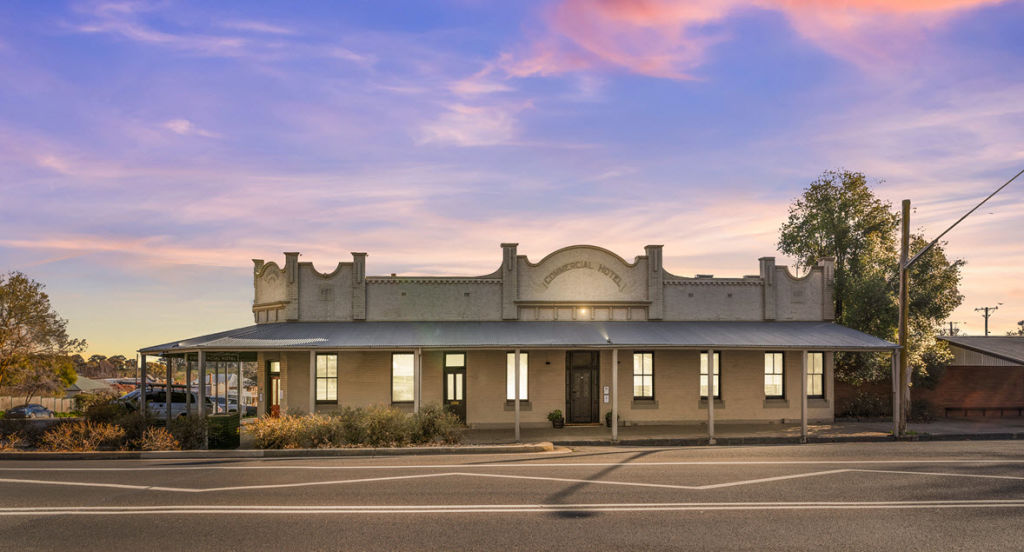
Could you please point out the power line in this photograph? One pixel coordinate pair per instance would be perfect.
(988, 312)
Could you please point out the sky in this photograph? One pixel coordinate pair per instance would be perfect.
(149, 150)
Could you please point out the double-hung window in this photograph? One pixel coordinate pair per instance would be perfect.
(643, 376)
(327, 378)
(402, 378)
(716, 379)
(816, 375)
(524, 377)
(774, 376)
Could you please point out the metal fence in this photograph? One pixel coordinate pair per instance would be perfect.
(56, 404)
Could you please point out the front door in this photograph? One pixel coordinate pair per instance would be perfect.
(455, 384)
(581, 386)
(274, 388)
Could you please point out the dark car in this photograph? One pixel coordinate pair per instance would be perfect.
(28, 411)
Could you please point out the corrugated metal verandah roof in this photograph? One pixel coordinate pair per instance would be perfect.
(508, 334)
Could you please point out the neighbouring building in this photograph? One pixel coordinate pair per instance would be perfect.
(592, 333)
(985, 378)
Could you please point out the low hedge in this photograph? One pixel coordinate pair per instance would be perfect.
(375, 426)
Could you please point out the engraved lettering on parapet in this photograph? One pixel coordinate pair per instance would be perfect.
(585, 265)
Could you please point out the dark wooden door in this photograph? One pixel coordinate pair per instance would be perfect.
(581, 387)
(455, 391)
(274, 388)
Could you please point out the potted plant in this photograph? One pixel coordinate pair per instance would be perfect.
(608, 418)
(557, 420)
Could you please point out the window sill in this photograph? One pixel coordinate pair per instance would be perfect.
(776, 402)
(644, 404)
(703, 404)
(817, 403)
(524, 406)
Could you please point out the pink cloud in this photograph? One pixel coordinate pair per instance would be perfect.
(667, 39)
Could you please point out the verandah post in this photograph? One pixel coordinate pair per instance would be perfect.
(516, 391)
(167, 392)
(803, 395)
(711, 396)
(615, 395)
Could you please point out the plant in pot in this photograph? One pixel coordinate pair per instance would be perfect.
(557, 420)
(608, 418)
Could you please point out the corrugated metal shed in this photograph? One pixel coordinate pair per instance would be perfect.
(1008, 348)
(396, 335)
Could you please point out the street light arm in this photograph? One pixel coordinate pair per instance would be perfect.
(946, 231)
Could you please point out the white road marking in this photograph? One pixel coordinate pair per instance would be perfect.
(499, 508)
(489, 475)
(510, 465)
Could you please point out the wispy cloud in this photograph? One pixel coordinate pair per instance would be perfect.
(479, 125)
(258, 27)
(184, 127)
(668, 39)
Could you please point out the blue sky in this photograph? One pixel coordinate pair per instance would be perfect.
(150, 149)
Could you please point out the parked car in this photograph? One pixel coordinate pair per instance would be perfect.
(30, 410)
(233, 406)
(156, 402)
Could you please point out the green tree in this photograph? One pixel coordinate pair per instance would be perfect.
(33, 336)
(839, 216)
(1019, 330)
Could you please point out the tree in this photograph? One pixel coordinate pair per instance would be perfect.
(839, 216)
(34, 339)
(50, 377)
(1019, 330)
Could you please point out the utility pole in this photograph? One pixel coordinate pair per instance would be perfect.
(905, 264)
(988, 312)
(904, 393)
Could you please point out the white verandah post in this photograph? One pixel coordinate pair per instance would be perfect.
(615, 395)
(202, 397)
(142, 383)
(803, 395)
(896, 406)
(417, 380)
(711, 396)
(167, 391)
(312, 382)
(516, 390)
(238, 398)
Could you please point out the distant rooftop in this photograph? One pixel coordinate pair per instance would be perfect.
(1010, 348)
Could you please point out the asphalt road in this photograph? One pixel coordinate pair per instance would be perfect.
(882, 496)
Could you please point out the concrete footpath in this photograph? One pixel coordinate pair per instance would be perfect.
(746, 434)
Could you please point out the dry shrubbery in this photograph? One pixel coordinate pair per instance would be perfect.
(82, 437)
(11, 442)
(374, 426)
(155, 438)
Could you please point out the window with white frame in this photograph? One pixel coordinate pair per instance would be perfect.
(643, 375)
(816, 375)
(524, 377)
(774, 376)
(402, 377)
(716, 379)
(326, 378)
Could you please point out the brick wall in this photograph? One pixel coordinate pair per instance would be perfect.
(960, 387)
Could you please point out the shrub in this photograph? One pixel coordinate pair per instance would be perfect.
(155, 438)
(84, 401)
(386, 427)
(189, 431)
(374, 426)
(921, 410)
(867, 405)
(223, 431)
(435, 424)
(106, 413)
(11, 442)
(82, 436)
(555, 415)
(135, 424)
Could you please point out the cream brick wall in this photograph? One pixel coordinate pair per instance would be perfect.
(365, 380)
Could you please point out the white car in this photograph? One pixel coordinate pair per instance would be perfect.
(156, 402)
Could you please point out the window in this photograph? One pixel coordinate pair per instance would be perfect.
(524, 377)
(402, 379)
(643, 375)
(816, 375)
(704, 376)
(774, 380)
(326, 378)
